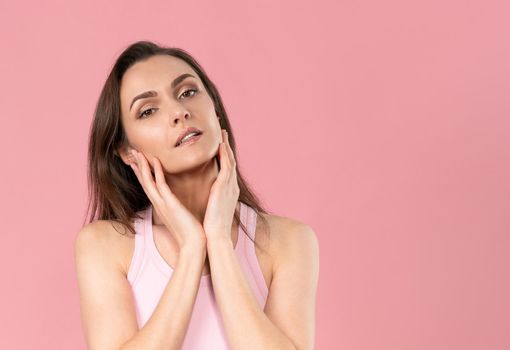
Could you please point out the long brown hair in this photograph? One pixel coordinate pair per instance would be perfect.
(114, 191)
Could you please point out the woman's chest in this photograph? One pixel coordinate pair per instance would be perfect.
(168, 249)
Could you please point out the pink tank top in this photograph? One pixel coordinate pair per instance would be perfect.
(149, 274)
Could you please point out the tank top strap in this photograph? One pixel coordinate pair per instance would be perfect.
(246, 218)
(140, 245)
(249, 219)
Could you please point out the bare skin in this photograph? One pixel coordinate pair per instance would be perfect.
(153, 125)
(124, 246)
(187, 177)
(189, 170)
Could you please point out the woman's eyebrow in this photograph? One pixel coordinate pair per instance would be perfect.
(153, 93)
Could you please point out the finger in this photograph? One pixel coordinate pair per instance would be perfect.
(139, 176)
(147, 176)
(224, 161)
(137, 172)
(228, 157)
(230, 153)
(229, 150)
(160, 179)
(233, 164)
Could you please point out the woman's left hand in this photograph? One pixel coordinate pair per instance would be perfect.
(223, 195)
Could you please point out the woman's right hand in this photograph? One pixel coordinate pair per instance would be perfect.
(186, 229)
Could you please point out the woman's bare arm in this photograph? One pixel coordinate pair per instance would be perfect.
(107, 305)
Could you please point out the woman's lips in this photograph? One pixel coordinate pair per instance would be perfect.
(191, 140)
(187, 132)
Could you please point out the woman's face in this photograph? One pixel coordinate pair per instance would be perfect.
(153, 123)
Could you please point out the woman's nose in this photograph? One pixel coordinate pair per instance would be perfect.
(181, 115)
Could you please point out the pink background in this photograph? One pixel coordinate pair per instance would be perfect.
(384, 125)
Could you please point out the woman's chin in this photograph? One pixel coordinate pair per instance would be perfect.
(192, 163)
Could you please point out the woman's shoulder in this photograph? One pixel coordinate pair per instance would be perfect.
(107, 239)
(286, 227)
(104, 232)
(288, 235)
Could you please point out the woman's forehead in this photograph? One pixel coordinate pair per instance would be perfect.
(155, 69)
(155, 73)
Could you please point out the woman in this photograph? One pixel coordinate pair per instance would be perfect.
(193, 268)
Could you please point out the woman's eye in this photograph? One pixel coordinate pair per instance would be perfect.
(142, 115)
(194, 91)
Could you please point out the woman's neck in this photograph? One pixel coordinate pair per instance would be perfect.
(192, 189)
